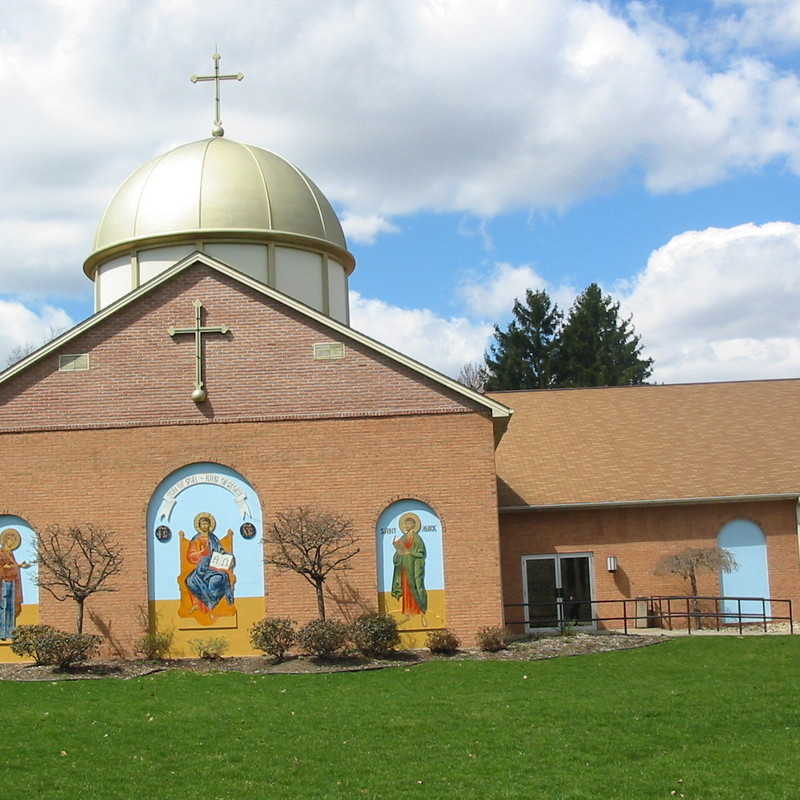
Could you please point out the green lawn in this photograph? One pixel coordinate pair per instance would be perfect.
(700, 718)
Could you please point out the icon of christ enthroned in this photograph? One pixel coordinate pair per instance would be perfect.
(207, 577)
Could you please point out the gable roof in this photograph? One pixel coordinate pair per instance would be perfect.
(499, 412)
(647, 444)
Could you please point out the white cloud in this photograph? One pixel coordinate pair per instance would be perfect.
(477, 108)
(754, 23)
(443, 343)
(722, 304)
(405, 107)
(25, 328)
(447, 343)
(43, 256)
(718, 304)
(365, 229)
(492, 294)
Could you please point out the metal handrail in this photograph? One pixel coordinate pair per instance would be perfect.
(656, 610)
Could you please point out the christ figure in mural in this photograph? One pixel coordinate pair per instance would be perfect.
(10, 581)
(212, 578)
(408, 578)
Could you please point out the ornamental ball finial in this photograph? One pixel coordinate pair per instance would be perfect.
(199, 395)
(217, 130)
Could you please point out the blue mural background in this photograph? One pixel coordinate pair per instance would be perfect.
(431, 533)
(164, 557)
(25, 552)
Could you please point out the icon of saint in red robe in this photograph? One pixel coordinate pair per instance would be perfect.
(10, 582)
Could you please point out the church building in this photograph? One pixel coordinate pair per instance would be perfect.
(219, 383)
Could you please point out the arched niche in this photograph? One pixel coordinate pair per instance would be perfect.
(746, 541)
(410, 565)
(205, 556)
(19, 592)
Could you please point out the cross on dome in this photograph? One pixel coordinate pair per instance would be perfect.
(217, 130)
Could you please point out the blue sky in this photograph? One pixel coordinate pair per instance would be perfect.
(603, 239)
(472, 150)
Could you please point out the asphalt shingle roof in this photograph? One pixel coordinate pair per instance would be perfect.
(635, 443)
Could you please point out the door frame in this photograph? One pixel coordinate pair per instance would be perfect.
(556, 557)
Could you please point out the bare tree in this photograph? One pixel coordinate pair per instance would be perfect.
(77, 562)
(474, 376)
(687, 562)
(18, 352)
(312, 544)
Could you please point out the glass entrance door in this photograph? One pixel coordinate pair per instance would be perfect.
(541, 593)
(558, 590)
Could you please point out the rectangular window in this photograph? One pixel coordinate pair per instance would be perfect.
(73, 363)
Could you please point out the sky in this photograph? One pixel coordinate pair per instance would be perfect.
(472, 150)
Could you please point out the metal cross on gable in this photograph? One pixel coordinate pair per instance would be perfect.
(199, 394)
(217, 130)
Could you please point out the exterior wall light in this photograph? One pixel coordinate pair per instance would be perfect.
(611, 563)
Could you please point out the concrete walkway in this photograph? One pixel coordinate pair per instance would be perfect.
(773, 628)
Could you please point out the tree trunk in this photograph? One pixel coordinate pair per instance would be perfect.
(320, 601)
(79, 617)
(695, 602)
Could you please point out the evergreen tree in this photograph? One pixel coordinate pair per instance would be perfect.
(597, 348)
(524, 355)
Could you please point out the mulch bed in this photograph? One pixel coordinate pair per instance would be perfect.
(525, 650)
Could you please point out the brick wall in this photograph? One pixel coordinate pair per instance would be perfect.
(262, 370)
(355, 466)
(350, 436)
(639, 537)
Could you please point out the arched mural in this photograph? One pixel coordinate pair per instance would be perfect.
(19, 593)
(205, 555)
(746, 541)
(411, 568)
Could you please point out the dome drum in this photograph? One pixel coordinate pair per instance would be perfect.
(313, 277)
(146, 243)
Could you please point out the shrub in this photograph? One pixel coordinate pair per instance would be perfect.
(444, 642)
(48, 646)
(155, 645)
(273, 635)
(323, 637)
(374, 635)
(31, 641)
(210, 649)
(491, 639)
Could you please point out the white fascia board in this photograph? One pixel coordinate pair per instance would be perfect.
(671, 501)
(498, 410)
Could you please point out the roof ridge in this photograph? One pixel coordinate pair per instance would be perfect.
(554, 389)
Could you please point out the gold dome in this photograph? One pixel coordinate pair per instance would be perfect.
(218, 189)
